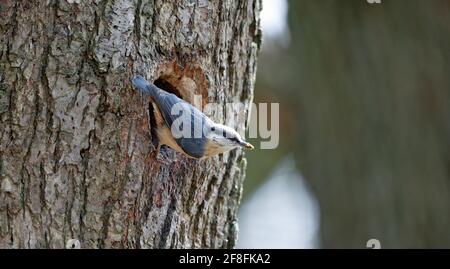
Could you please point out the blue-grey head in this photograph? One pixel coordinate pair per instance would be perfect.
(222, 138)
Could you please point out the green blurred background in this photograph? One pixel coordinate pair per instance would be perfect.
(364, 93)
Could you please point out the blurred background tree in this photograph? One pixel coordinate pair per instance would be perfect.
(364, 93)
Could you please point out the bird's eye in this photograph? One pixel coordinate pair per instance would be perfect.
(213, 129)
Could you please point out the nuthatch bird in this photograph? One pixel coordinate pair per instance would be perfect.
(214, 138)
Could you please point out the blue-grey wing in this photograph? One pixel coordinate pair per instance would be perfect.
(172, 108)
(166, 102)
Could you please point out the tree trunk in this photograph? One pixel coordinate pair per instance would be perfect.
(77, 158)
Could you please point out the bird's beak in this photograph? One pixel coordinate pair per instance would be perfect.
(247, 145)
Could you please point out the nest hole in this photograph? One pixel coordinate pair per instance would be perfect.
(185, 84)
(167, 86)
(152, 119)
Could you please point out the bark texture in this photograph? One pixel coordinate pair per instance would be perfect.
(77, 159)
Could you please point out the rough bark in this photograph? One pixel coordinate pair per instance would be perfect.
(77, 159)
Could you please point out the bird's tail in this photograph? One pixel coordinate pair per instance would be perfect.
(144, 86)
